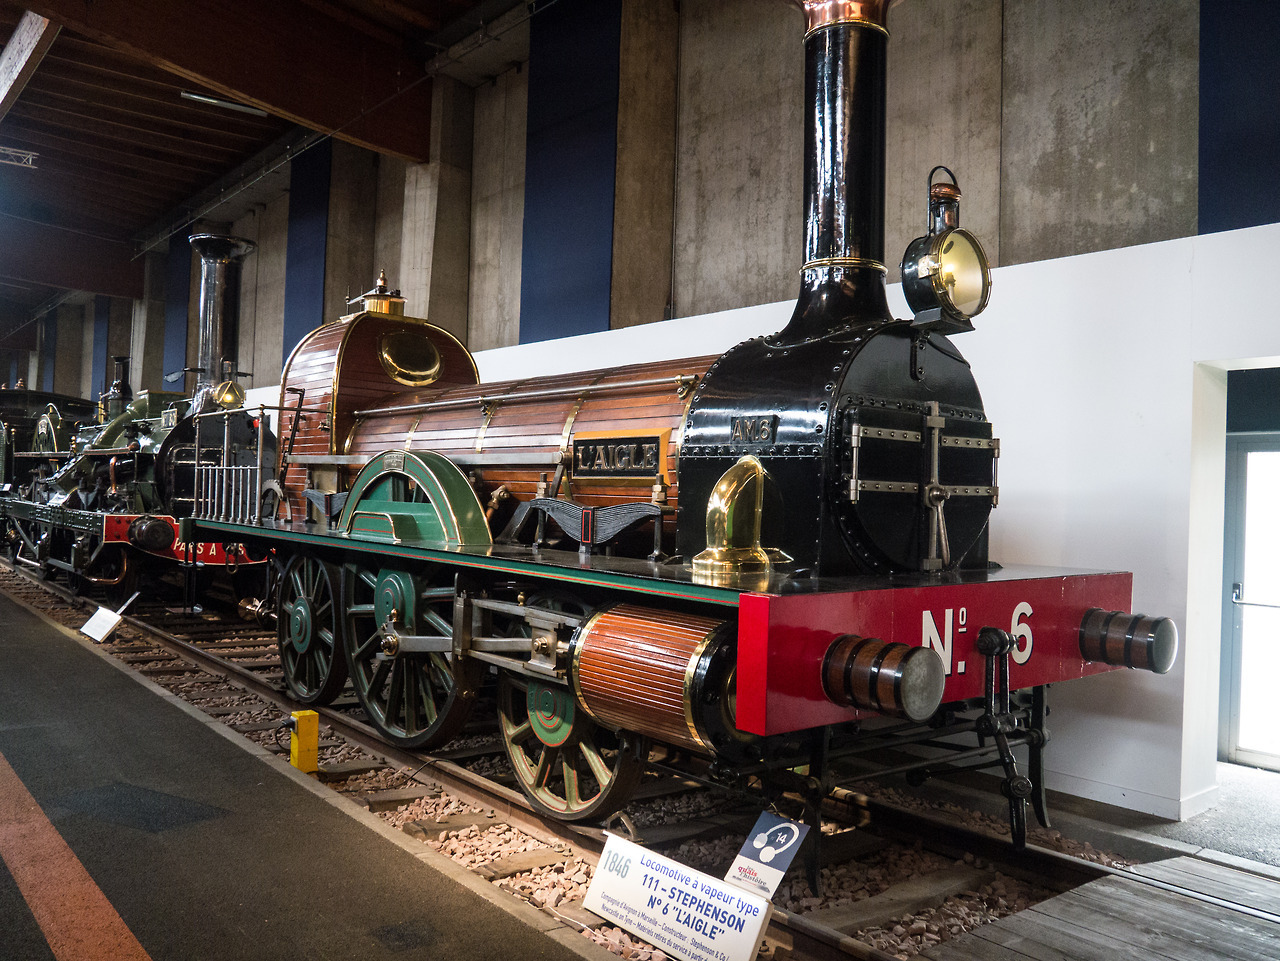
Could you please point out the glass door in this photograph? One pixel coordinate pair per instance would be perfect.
(1249, 732)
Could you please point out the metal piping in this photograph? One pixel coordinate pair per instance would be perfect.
(220, 258)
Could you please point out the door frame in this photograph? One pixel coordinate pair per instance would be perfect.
(1239, 447)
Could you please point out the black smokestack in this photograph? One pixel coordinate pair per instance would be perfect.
(220, 258)
(842, 280)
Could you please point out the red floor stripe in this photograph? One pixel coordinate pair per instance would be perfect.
(75, 916)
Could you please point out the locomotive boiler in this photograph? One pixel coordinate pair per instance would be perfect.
(752, 567)
(104, 505)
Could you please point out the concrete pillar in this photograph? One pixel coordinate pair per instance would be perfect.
(86, 388)
(740, 174)
(119, 336)
(261, 338)
(388, 218)
(66, 367)
(349, 248)
(1101, 100)
(497, 210)
(146, 351)
(644, 191)
(436, 235)
(943, 108)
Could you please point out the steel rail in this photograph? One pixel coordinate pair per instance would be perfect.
(843, 805)
(1039, 860)
(805, 937)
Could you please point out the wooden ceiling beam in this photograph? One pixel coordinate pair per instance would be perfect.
(30, 41)
(46, 255)
(18, 132)
(60, 110)
(166, 105)
(274, 54)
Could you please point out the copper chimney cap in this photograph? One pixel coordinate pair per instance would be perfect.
(824, 13)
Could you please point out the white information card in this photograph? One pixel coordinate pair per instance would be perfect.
(684, 912)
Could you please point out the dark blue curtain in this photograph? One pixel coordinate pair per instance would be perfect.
(308, 242)
(570, 168)
(177, 301)
(101, 320)
(1239, 114)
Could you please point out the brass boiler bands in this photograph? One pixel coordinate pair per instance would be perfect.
(616, 432)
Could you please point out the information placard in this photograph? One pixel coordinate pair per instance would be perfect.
(100, 626)
(105, 620)
(769, 851)
(684, 912)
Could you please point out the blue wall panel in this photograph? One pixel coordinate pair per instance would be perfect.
(101, 320)
(1239, 114)
(570, 168)
(308, 241)
(177, 299)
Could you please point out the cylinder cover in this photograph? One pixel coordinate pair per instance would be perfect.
(639, 668)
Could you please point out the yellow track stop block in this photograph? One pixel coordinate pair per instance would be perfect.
(304, 741)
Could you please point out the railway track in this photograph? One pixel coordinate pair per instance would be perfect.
(911, 882)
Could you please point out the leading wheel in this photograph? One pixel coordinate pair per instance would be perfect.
(416, 699)
(113, 571)
(567, 765)
(315, 667)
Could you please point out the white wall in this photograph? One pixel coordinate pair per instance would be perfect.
(1104, 377)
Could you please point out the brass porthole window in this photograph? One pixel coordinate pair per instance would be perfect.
(409, 358)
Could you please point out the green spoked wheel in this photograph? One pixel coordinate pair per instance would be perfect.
(567, 765)
(415, 699)
(308, 630)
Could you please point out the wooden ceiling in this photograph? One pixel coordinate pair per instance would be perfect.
(97, 95)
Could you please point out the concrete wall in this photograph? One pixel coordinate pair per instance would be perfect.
(739, 167)
(261, 292)
(644, 188)
(350, 242)
(943, 107)
(66, 368)
(1072, 128)
(146, 337)
(497, 210)
(1101, 118)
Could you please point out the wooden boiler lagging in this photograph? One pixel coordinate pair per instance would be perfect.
(616, 432)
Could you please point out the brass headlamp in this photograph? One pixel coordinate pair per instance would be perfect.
(946, 277)
(228, 395)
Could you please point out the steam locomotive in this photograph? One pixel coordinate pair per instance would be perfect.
(35, 430)
(103, 503)
(754, 567)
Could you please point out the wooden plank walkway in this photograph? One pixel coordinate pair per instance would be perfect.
(1126, 920)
